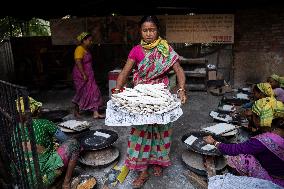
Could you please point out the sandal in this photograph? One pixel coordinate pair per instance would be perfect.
(157, 170)
(140, 180)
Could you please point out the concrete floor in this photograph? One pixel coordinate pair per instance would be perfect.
(196, 114)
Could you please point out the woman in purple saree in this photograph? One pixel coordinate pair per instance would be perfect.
(261, 156)
(88, 95)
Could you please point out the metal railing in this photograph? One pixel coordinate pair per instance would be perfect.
(18, 154)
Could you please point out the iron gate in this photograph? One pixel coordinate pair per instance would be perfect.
(16, 135)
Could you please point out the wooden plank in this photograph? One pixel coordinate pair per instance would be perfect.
(193, 61)
(197, 181)
(194, 74)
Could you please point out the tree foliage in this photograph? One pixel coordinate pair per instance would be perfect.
(17, 27)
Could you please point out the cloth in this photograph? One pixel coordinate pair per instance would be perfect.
(88, 95)
(266, 89)
(279, 94)
(279, 79)
(60, 136)
(268, 109)
(82, 36)
(49, 160)
(268, 160)
(116, 117)
(260, 157)
(161, 44)
(229, 181)
(149, 144)
(248, 165)
(79, 52)
(153, 67)
(34, 105)
(247, 105)
(69, 150)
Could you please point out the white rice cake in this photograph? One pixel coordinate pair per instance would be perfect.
(208, 147)
(190, 140)
(228, 108)
(246, 89)
(242, 96)
(219, 128)
(215, 116)
(75, 125)
(98, 133)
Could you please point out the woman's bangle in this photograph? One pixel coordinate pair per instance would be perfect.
(117, 89)
(180, 89)
(216, 143)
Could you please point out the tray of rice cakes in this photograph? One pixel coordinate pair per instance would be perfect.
(143, 104)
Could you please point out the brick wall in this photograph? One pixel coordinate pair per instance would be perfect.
(259, 44)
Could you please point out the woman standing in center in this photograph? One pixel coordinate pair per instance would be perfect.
(152, 59)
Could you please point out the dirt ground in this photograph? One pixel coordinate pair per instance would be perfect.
(196, 113)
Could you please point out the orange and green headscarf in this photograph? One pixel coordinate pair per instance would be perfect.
(279, 79)
(161, 44)
(266, 89)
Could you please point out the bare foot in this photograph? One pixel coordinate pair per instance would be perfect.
(77, 114)
(157, 170)
(66, 186)
(140, 180)
(96, 115)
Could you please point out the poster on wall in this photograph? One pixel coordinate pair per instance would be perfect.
(65, 31)
(205, 28)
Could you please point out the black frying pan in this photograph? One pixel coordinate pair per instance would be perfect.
(199, 143)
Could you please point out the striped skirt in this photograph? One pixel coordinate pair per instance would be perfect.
(149, 144)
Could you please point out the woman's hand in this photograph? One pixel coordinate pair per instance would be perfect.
(209, 140)
(182, 96)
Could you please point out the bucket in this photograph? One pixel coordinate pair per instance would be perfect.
(112, 77)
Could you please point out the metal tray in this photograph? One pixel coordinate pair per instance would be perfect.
(89, 141)
(199, 143)
(233, 100)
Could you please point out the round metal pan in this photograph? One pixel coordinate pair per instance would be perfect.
(232, 100)
(195, 162)
(199, 143)
(99, 158)
(89, 141)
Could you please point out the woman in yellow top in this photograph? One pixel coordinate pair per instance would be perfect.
(88, 95)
